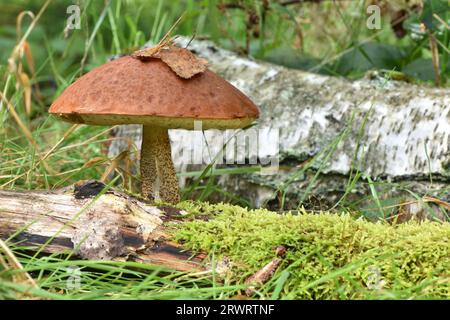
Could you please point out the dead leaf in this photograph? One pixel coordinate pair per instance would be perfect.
(182, 61)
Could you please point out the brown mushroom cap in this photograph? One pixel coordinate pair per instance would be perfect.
(131, 91)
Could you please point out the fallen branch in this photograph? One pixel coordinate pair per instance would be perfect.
(96, 226)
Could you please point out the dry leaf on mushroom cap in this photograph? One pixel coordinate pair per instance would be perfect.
(182, 61)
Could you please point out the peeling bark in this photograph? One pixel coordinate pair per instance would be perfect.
(399, 131)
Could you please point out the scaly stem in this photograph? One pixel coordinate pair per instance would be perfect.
(157, 171)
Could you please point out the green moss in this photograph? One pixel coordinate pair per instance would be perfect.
(329, 256)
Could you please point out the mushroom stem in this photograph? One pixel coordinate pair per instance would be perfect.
(158, 179)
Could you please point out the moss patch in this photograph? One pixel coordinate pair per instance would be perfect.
(329, 256)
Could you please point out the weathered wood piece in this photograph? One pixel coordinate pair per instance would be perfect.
(393, 130)
(109, 226)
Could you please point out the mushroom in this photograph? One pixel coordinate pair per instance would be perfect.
(148, 91)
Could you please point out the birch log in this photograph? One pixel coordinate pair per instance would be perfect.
(112, 226)
(388, 130)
